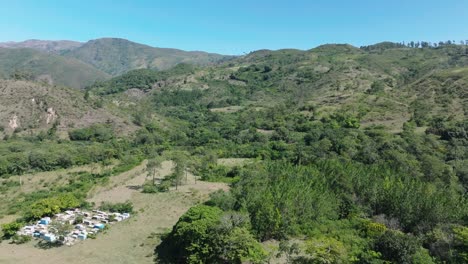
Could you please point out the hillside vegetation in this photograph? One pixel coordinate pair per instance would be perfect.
(78, 65)
(50, 68)
(29, 106)
(342, 154)
(117, 56)
(363, 151)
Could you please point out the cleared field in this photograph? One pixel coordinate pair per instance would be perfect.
(131, 241)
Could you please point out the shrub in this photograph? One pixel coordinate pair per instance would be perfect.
(126, 207)
(52, 205)
(10, 229)
(150, 188)
(21, 239)
(397, 247)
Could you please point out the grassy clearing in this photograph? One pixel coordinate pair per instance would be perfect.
(132, 241)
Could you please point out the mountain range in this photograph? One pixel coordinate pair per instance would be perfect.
(77, 64)
(385, 84)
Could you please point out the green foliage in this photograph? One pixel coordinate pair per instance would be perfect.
(204, 235)
(325, 250)
(461, 243)
(223, 200)
(397, 247)
(126, 207)
(189, 241)
(52, 205)
(373, 229)
(117, 56)
(73, 73)
(282, 199)
(99, 133)
(21, 239)
(60, 229)
(10, 229)
(376, 87)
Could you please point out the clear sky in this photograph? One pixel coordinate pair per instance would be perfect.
(236, 27)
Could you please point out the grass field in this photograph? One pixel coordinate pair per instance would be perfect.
(132, 241)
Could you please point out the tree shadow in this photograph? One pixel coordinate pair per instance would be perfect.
(134, 187)
(47, 245)
(165, 253)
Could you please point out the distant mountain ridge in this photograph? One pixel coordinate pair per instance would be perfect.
(116, 56)
(78, 64)
(51, 67)
(55, 46)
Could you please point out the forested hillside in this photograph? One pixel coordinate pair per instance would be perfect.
(347, 155)
(49, 68)
(76, 64)
(360, 154)
(116, 56)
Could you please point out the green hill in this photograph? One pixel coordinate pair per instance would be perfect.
(49, 67)
(336, 154)
(116, 56)
(384, 86)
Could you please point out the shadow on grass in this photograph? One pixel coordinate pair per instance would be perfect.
(134, 187)
(165, 253)
(47, 245)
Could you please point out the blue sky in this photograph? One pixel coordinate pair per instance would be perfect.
(236, 27)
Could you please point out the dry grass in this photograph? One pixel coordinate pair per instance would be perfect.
(129, 241)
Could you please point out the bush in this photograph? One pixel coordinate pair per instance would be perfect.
(99, 133)
(204, 235)
(222, 199)
(397, 247)
(52, 205)
(126, 207)
(326, 250)
(21, 239)
(10, 229)
(150, 188)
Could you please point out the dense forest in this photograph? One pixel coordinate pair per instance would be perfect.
(355, 155)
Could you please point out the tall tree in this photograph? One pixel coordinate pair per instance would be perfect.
(152, 167)
(180, 160)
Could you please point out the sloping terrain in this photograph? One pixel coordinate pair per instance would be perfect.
(116, 56)
(132, 241)
(49, 67)
(383, 86)
(55, 46)
(30, 105)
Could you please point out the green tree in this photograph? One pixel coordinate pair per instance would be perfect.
(10, 229)
(326, 250)
(60, 229)
(180, 160)
(152, 167)
(397, 247)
